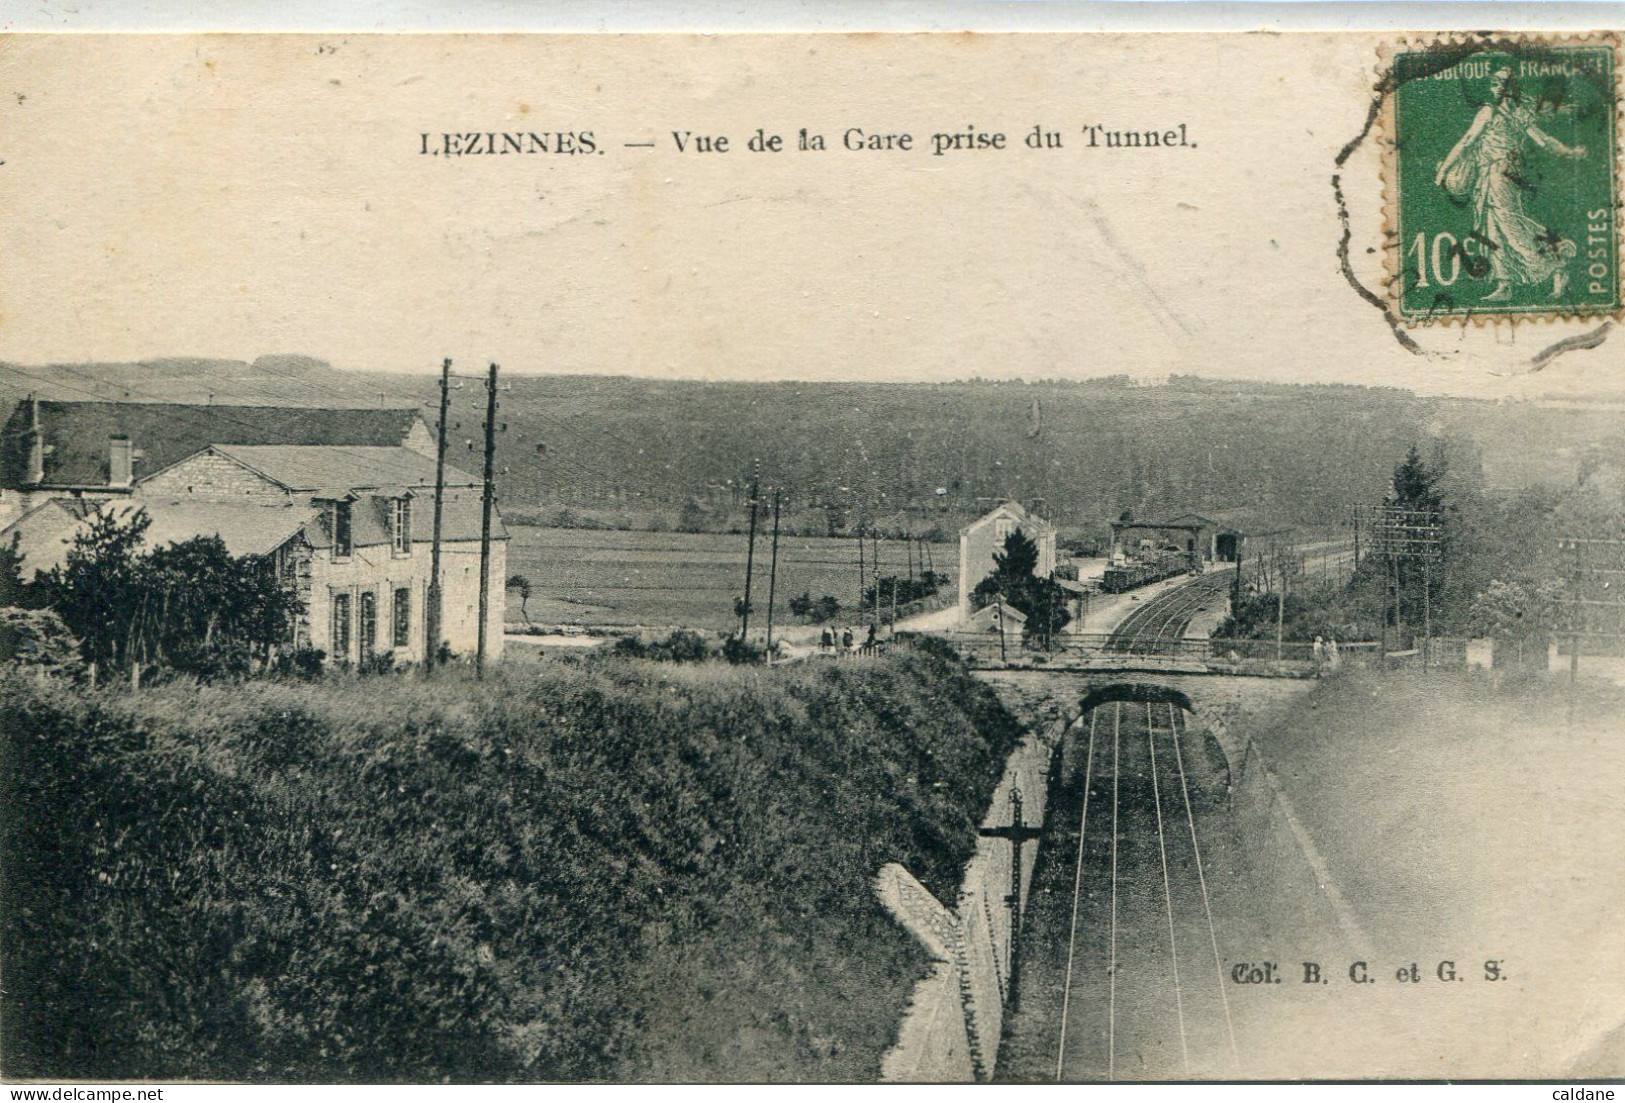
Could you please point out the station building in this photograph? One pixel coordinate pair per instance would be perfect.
(987, 534)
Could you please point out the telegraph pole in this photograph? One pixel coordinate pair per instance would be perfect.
(750, 549)
(485, 517)
(773, 575)
(433, 613)
(863, 571)
(874, 566)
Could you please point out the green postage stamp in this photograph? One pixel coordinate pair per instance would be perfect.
(1501, 179)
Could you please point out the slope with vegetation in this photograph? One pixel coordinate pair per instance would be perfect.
(604, 868)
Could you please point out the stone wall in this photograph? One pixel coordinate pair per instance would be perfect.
(954, 1022)
(375, 569)
(210, 477)
(955, 1018)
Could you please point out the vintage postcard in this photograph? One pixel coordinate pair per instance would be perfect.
(812, 558)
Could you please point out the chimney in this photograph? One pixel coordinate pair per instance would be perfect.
(36, 445)
(120, 461)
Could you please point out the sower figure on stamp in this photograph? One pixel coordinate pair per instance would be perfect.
(1486, 166)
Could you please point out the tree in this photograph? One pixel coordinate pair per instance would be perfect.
(203, 611)
(522, 584)
(1013, 581)
(11, 572)
(1018, 558)
(189, 607)
(94, 590)
(1416, 483)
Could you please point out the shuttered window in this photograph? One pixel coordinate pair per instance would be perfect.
(341, 627)
(369, 624)
(402, 636)
(342, 541)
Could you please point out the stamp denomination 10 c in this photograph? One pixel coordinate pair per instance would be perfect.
(1501, 179)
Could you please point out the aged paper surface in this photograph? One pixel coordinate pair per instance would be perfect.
(1300, 722)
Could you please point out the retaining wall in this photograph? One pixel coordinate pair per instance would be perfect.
(955, 1017)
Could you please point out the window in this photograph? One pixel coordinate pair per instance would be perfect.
(341, 530)
(402, 623)
(341, 627)
(1003, 529)
(400, 525)
(369, 624)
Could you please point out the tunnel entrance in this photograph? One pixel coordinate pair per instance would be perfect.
(1150, 692)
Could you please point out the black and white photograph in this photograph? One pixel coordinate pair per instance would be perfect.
(811, 558)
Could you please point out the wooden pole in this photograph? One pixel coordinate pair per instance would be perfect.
(773, 574)
(874, 567)
(1384, 618)
(750, 551)
(863, 571)
(432, 614)
(486, 498)
(1427, 617)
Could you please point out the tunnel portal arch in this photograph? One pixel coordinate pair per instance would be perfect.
(1134, 691)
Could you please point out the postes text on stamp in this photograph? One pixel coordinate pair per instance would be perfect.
(1501, 178)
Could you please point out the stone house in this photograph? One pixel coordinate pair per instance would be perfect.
(349, 528)
(987, 534)
(99, 450)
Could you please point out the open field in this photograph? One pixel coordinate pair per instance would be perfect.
(583, 576)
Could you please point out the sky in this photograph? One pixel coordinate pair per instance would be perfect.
(231, 196)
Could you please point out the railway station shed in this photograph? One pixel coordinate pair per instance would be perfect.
(1223, 536)
(1183, 532)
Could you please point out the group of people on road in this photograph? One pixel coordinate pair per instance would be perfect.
(828, 641)
(1326, 653)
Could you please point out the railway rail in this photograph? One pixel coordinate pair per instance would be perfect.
(1158, 626)
(1142, 993)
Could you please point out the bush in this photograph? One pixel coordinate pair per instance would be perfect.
(742, 652)
(583, 871)
(38, 641)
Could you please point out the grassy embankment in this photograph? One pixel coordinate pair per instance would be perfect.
(606, 869)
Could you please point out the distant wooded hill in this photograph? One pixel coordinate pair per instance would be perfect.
(912, 452)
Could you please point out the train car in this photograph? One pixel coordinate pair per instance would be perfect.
(1144, 569)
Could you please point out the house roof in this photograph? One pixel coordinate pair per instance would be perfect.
(983, 617)
(76, 433)
(1246, 522)
(47, 531)
(42, 532)
(370, 520)
(319, 468)
(1029, 522)
(246, 529)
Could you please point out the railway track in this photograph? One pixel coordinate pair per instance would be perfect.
(1158, 626)
(1142, 993)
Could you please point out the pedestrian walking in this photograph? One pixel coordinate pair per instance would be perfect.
(846, 639)
(1332, 655)
(826, 641)
(1320, 652)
